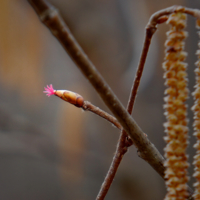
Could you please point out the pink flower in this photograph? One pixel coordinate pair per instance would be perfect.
(49, 90)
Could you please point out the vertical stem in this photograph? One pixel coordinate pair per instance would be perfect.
(122, 145)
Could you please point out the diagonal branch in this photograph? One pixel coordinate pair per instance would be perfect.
(51, 18)
(87, 106)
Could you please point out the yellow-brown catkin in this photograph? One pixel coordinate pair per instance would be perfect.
(196, 110)
(176, 110)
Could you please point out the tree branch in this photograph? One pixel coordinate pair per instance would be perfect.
(51, 18)
(87, 106)
(122, 146)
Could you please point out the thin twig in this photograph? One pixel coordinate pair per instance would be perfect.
(154, 19)
(120, 151)
(78, 101)
(121, 146)
(51, 18)
(87, 106)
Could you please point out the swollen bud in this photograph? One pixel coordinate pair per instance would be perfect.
(66, 95)
(70, 97)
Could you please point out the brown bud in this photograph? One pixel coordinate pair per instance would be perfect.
(73, 98)
(70, 97)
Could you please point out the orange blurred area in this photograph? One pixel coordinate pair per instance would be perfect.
(50, 149)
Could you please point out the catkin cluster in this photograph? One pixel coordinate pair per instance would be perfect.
(175, 109)
(196, 109)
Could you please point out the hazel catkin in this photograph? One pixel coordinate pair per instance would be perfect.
(176, 111)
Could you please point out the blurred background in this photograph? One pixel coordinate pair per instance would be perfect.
(51, 150)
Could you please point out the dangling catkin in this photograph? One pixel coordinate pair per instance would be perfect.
(196, 110)
(176, 110)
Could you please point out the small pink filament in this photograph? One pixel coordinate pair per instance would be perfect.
(49, 90)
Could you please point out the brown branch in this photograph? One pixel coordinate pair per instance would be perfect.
(154, 19)
(51, 18)
(122, 146)
(120, 151)
(87, 106)
(78, 101)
